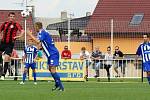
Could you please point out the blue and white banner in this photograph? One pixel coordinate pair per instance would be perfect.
(69, 70)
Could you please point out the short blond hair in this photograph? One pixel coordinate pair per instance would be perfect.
(39, 25)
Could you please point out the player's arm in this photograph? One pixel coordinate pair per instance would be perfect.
(19, 36)
(24, 57)
(39, 46)
(138, 54)
(21, 31)
(31, 36)
(2, 27)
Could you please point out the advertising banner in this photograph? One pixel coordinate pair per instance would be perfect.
(69, 70)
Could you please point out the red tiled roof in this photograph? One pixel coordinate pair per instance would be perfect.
(121, 11)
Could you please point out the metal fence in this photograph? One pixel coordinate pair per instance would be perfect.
(127, 68)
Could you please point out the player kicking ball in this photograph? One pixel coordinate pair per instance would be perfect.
(30, 53)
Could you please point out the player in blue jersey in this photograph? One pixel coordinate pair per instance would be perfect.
(46, 42)
(30, 53)
(144, 51)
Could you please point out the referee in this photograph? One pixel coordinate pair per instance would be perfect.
(9, 30)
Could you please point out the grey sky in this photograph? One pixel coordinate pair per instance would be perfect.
(52, 8)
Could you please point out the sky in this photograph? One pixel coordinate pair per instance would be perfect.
(52, 8)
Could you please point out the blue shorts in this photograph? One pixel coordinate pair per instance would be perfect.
(146, 67)
(32, 65)
(53, 60)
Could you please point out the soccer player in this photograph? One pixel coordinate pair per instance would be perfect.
(30, 52)
(52, 54)
(9, 29)
(144, 51)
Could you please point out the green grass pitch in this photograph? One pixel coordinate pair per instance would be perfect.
(91, 90)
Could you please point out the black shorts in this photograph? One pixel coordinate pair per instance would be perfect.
(7, 48)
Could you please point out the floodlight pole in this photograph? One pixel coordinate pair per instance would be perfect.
(25, 20)
(25, 24)
(69, 32)
(112, 33)
(112, 36)
(25, 30)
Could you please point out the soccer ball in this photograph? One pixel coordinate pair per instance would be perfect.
(25, 13)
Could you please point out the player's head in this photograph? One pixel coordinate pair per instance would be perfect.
(38, 26)
(11, 16)
(145, 38)
(30, 42)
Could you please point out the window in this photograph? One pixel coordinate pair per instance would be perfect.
(137, 19)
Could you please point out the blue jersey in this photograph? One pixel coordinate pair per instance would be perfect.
(47, 43)
(144, 51)
(30, 52)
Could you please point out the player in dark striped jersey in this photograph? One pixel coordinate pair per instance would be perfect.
(30, 52)
(9, 30)
(144, 51)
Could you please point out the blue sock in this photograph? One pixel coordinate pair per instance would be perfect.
(24, 77)
(56, 83)
(148, 78)
(34, 75)
(57, 80)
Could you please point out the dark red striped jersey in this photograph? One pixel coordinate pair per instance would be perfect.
(9, 29)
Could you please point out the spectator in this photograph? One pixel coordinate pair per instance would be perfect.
(108, 62)
(95, 57)
(14, 62)
(118, 55)
(84, 55)
(66, 54)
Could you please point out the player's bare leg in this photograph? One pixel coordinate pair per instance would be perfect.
(6, 59)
